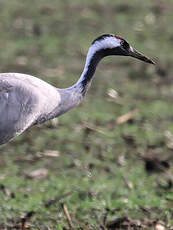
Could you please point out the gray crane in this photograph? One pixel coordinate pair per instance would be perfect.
(26, 100)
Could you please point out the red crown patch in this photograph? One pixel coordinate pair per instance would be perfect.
(119, 37)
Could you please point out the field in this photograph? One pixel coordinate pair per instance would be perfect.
(108, 162)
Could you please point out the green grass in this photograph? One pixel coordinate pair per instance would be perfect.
(99, 165)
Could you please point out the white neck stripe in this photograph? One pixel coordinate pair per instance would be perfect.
(108, 42)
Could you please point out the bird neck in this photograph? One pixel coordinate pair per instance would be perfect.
(92, 60)
(73, 95)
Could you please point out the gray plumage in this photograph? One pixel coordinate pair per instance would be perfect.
(26, 100)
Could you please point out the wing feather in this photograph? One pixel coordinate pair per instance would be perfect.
(23, 99)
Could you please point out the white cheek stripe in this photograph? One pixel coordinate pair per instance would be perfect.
(108, 42)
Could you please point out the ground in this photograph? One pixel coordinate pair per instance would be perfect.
(108, 162)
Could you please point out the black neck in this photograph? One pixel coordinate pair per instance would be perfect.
(91, 65)
(89, 71)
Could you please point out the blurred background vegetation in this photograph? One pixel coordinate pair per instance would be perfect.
(87, 159)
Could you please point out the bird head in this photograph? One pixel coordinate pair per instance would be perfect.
(110, 44)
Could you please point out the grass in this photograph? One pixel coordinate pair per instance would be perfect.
(98, 166)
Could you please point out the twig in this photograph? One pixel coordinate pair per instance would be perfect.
(127, 184)
(95, 129)
(126, 117)
(66, 212)
(56, 199)
(105, 218)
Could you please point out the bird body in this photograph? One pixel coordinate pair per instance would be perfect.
(26, 100)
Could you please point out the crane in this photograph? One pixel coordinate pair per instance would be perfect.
(26, 100)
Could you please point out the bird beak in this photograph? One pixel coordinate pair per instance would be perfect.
(134, 53)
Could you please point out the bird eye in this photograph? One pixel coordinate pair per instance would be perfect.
(124, 44)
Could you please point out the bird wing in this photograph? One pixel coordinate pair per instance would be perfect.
(23, 99)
